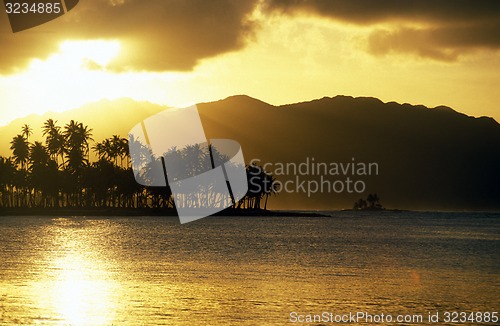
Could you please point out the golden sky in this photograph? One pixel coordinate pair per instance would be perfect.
(182, 52)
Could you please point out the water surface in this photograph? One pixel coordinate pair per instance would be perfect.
(244, 270)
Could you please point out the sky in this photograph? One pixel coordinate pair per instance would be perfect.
(178, 53)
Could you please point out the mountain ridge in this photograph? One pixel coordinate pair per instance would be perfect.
(430, 159)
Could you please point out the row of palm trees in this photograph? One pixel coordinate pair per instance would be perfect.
(59, 172)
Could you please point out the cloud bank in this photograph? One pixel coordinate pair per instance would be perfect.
(446, 28)
(174, 35)
(157, 35)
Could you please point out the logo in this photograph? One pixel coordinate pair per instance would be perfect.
(25, 14)
(170, 150)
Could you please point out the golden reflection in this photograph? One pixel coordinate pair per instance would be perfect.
(80, 294)
(79, 286)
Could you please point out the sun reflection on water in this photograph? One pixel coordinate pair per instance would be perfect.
(80, 294)
(80, 287)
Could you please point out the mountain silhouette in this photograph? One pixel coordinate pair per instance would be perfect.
(428, 158)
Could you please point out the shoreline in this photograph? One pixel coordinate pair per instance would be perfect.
(172, 212)
(109, 211)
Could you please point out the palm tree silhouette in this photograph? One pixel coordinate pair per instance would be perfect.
(38, 161)
(271, 187)
(26, 131)
(373, 201)
(123, 151)
(77, 137)
(260, 184)
(7, 176)
(20, 148)
(54, 140)
(100, 150)
(116, 148)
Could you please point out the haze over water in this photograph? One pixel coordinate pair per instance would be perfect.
(245, 270)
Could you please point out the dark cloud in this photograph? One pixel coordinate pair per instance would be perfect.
(411, 41)
(369, 12)
(452, 27)
(157, 35)
(446, 43)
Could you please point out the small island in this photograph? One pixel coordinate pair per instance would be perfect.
(372, 203)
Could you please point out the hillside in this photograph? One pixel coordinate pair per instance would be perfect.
(427, 158)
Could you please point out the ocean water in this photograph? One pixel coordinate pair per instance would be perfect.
(249, 270)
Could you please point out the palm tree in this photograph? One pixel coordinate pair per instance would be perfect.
(260, 183)
(77, 138)
(49, 126)
(38, 155)
(108, 149)
(253, 173)
(20, 184)
(100, 149)
(20, 149)
(7, 175)
(85, 134)
(26, 131)
(39, 158)
(54, 141)
(271, 187)
(115, 148)
(50, 184)
(112, 149)
(100, 179)
(123, 151)
(373, 200)
(361, 204)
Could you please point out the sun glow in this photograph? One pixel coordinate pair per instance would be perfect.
(70, 78)
(98, 51)
(79, 74)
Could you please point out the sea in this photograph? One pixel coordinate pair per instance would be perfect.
(347, 268)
